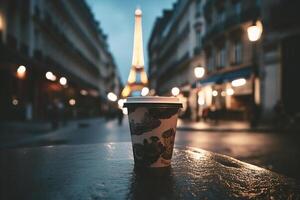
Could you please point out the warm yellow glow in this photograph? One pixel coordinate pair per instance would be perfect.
(63, 81)
(72, 102)
(223, 93)
(125, 111)
(132, 76)
(50, 76)
(112, 97)
(255, 31)
(199, 72)
(215, 93)
(201, 99)
(21, 71)
(238, 82)
(126, 91)
(138, 54)
(121, 103)
(145, 91)
(1, 22)
(137, 60)
(144, 78)
(208, 95)
(229, 91)
(175, 91)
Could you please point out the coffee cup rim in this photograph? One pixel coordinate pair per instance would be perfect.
(153, 100)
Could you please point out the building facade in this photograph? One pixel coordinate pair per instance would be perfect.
(231, 85)
(54, 59)
(174, 48)
(280, 62)
(244, 79)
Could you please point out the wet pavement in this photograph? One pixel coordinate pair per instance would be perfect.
(279, 152)
(106, 171)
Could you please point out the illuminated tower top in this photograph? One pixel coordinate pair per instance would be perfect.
(137, 67)
(138, 53)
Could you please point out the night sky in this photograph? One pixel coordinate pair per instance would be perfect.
(116, 18)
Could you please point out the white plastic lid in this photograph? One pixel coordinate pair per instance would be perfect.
(153, 99)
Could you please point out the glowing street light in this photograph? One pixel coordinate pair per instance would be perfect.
(63, 81)
(175, 91)
(21, 71)
(112, 97)
(238, 82)
(145, 91)
(1, 22)
(229, 91)
(121, 103)
(201, 100)
(50, 76)
(125, 111)
(254, 31)
(72, 102)
(199, 72)
(83, 92)
(215, 93)
(15, 102)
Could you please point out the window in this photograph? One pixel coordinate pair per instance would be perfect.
(220, 16)
(221, 57)
(198, 38)
(237, 52)
(237, 7)
(198, 8)
(209, 61)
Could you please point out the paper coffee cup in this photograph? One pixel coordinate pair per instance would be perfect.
(152, 123)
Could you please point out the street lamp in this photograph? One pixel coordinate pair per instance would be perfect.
(63, 81)
(112, 97)
(145, 91)
(21, 71)
(238, 82)
(254, 31)
(50, 76)
(175, 91)
(199, 73)
(72, 102)
(254, 34)
(121, 103)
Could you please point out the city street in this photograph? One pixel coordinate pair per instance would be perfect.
(275, 151)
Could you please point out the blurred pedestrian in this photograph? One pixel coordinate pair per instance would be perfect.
(205, 113)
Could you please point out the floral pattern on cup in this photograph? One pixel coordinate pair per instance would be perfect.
(148, 123)
(149, 152)
(168, 140)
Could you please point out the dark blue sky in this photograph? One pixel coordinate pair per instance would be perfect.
(116, 18)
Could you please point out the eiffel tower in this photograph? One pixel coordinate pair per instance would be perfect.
(137, 67)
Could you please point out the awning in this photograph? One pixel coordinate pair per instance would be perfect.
(244, 72)
(241, 73)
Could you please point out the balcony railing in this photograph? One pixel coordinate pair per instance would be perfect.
(249, 11)
(173, 42)
(60, 37)
(173, 67)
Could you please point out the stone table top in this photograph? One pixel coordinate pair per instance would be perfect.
(106, 171)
